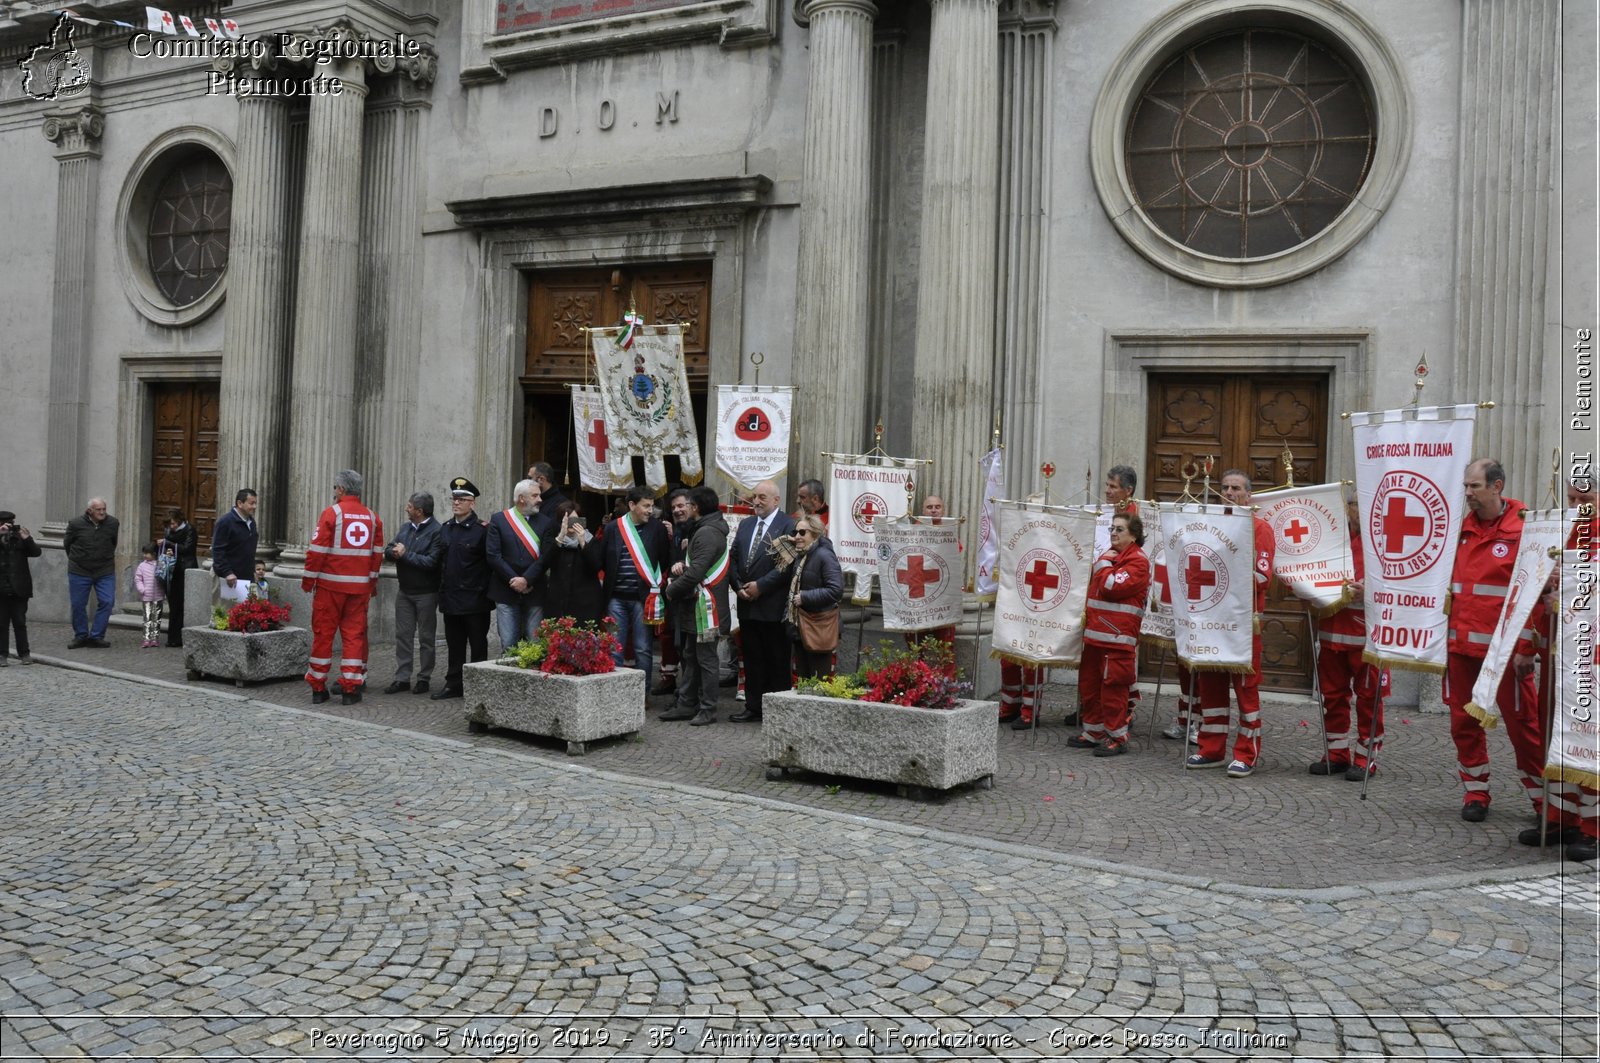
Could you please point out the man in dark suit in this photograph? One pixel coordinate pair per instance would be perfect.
(464, 586)
(233, 543)
(516, 547)
(634, 554)
(761, 589)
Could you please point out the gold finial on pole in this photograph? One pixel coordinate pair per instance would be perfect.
(1189, 470)
(1422, 379)
(1288, 465)
(1088, 485)
(756, 358)
(994, 437)
(911, 494)
(877, 433)
(1047, 469)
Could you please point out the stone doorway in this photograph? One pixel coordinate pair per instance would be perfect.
(183, 470)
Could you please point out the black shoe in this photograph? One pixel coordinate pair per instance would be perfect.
(1111, 751)
(1072, 720)
(351, 697)
(731, 681)
(1475, 811)
(1584, 850)
(1356, 773)
(1329, 767)
(399, 686)
(1080, 742)
(665, 686)
(421, 687)
(100, 644)
(178, 645)
(703, 718)
(677, 714)
(1021, 723)
(447, 692)
(77, 644)
(319, 697)
(745, 717)
(1553, 836)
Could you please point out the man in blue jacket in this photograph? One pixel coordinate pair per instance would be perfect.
(233, 543)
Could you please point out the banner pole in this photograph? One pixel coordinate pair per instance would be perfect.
(977, 647)
(1155, 704)
(1316, 685)
(1038, 709)
(1188, 728)
(1376, 742)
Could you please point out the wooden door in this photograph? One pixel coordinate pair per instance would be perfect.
(561, 304)
(184, 457)
(1244, 421)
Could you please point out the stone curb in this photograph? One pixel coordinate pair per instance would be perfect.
(1323, 894)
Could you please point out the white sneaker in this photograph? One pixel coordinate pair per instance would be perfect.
(1173, 730)
(739, 696)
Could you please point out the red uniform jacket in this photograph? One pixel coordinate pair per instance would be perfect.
(1266, 548)
(346, 551)
(1485, 556)
(1119, 583)
(1348, 627)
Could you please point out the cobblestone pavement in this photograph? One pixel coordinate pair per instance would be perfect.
(194, 874)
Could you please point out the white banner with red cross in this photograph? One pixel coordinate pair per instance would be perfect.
(1210, 555)
(919, 573)
(1156, 627)
(1313, 557)
(753, 425)
(1573, 753)
(1045, 556)
(862, 490)
(1543, 533)
(645, 390)
(1409, 467)
(593, 444)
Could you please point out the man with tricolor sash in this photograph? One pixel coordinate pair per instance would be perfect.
(634, 554)
(698, 595)
(516, 557)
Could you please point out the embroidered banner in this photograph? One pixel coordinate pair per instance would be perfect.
(645, 392)
(919, 569)
(992, 466)
(1543, 533)
(593, 443)
(864, 490)
(1313, 557)
(753, 427)
(1156, 627)
(1409, 468)
(1210, 560)
(1574, 749)
(1044, 561)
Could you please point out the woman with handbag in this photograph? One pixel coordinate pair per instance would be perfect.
(814, 594)
(181, 542)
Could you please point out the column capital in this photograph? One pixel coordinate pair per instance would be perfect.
(804, 10)
(75, 132)
(1028, 14)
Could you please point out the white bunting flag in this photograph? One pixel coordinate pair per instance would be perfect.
(215, 27)
(1156, 627)
(1046, 553)
(231, 28)
(1312, 557)
(188, 25)
(994, 487)
(1543, 532)
(1574, 749)
(1409, 468)
(753, 426)
(1210, 555)
(159, 21)
(592, 442)
(645, 390)
(919, 570)
(863, 490)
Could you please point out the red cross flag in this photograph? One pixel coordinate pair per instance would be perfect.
(1210, 551)
(1043, 567)
(862, 492)
(1313, 557)
(1409, 467)
(919, 569)
(592, 442)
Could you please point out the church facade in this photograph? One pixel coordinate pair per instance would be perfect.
(1120, 231)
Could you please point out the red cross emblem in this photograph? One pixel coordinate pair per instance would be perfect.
(1407, 523)
(1043, 579)
(1296, 531)
(916, 574)
(866, 508)
(1204, 578)
(1398, 526)
(598, 440)
(166, 19)
(1199, 577)
(1040, 579)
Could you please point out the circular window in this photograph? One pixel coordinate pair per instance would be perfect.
(188, 233)
(1248, 145)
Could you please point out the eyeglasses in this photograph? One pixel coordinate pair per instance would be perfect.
(800, 533)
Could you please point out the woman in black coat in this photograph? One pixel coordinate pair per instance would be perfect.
(817, 587)
(180, 540)
(574, 568)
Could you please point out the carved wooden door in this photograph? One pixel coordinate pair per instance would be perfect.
(184, 457)
(562, 303)
(1244, 421)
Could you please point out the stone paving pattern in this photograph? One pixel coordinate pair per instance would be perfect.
(191, 871)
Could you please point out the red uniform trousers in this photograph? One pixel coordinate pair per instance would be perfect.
(1214, 711)
(1340, 670)
(1104, 680)
(1188, 694)
(346, 613)
(1472, 743)
(1018, 683)
(1572, 804)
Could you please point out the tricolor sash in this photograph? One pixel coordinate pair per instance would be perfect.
(524, 531)
(706, 620)
(649, 571)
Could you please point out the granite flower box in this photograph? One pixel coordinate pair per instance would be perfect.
(246, 657)
(917, 749)
(577, 709)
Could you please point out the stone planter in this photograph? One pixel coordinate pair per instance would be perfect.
(578, 709)
(918, 749)
(246, 657)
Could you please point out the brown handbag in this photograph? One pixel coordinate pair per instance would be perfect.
(819, 632)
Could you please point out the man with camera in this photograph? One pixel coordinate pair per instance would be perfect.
(16, 586)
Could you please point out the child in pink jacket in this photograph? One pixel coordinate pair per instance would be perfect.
(152, 594)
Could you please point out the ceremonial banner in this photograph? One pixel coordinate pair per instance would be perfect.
(1156, 627)
(1045, 556)
(919, 567)
(1543, 532)
(593, 444)
(645, 391)
(753, 433)
(1313, 557)
(994, 487)
(863, 490)
(1574, 749)
(1211, 561)
(1409, 468)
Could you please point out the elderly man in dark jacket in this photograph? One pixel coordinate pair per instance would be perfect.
(417, 553)
(698, 597)
(91, 543)
(233, 544)
(464, 586)
(17, 544)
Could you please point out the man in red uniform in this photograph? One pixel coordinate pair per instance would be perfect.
(1485, 556)
(1214, 685)
(342, 575)
(1118, 585)
(1341, 640)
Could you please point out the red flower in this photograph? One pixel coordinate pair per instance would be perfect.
(256, 615)
(572, 648)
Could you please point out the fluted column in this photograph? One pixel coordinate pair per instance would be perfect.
(76, 134)
(953, 385)
(1510, 58)
(255, 349)
(322, 413)
(835, 235)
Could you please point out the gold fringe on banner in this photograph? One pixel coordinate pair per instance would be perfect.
(1402, 665)
(1324, 611)
(1160, 642)
(1231, 669)
(1562, 773)
(1489, 720)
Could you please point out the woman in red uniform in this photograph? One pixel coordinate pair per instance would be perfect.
(1118, 586)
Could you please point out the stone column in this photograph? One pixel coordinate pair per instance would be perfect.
(255, 350)
(835, 237)
(76, 134)
(953, 386)
(322, 413)
(1510, 57)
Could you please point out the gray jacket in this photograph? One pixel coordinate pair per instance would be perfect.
(707, 542)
